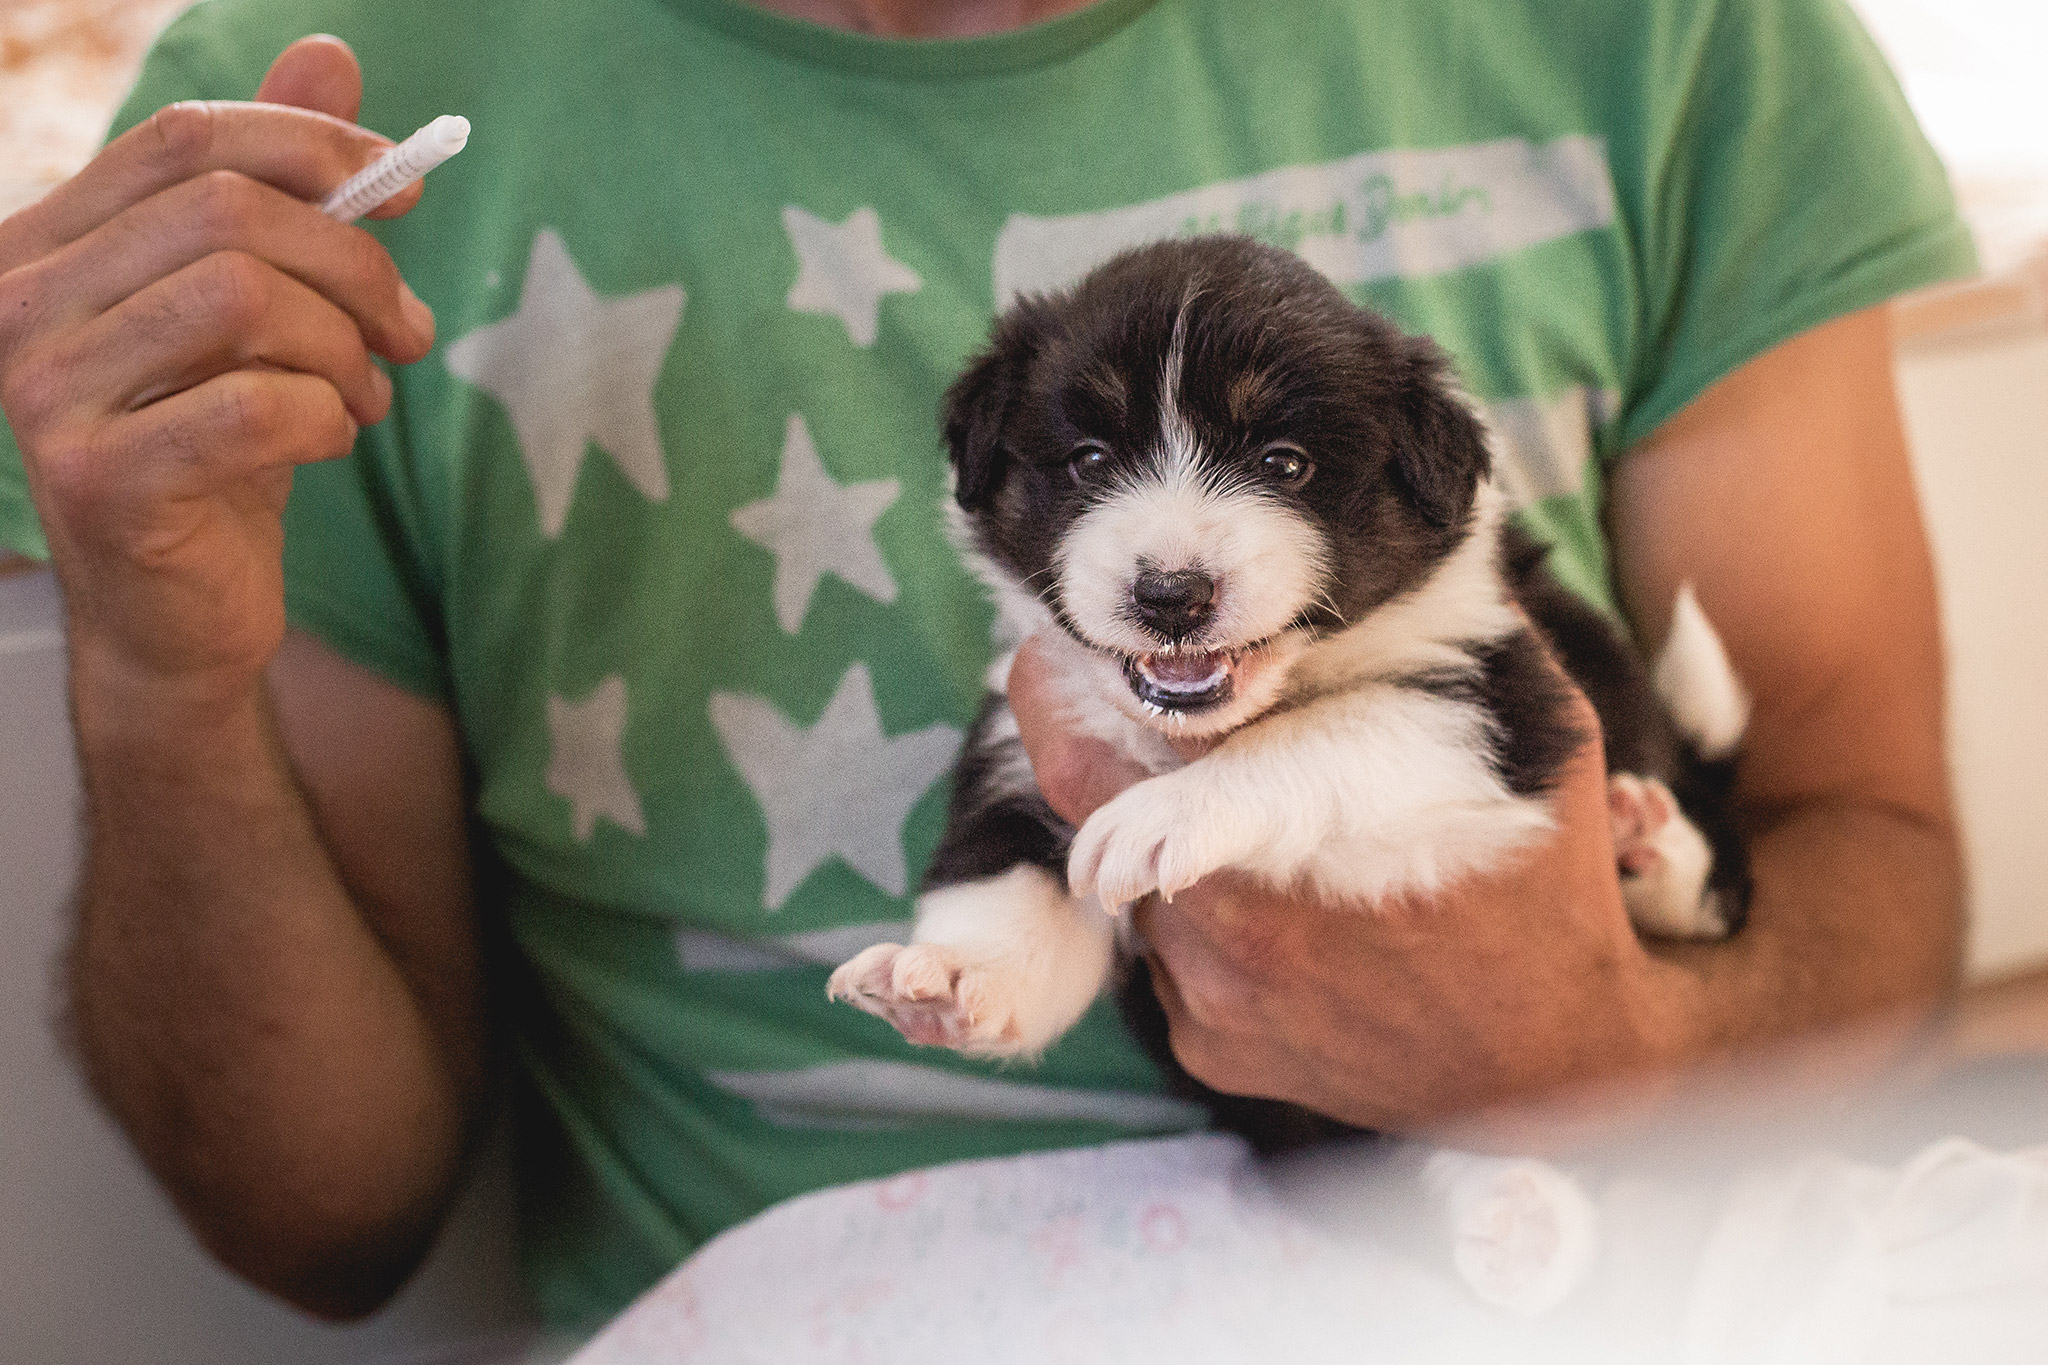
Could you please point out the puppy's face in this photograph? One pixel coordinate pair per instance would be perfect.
(1202, 459)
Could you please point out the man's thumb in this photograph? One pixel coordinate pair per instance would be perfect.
(318, 73)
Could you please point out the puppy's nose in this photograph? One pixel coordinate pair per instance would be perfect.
(1174, 604)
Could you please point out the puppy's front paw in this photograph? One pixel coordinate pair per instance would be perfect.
(1160, 835)
(932, 997)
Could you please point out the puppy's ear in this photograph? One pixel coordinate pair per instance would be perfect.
(978, 405)
(1444, 455)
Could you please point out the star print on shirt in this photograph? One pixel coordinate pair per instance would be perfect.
(815, 525)
(837, 788)
(843, 270)
(585, 763)
(574, 367)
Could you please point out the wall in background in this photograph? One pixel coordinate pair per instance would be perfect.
(1976, 409)
(64, 65)
(1972, 71)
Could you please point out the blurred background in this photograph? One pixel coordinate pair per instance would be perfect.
(95, 1267)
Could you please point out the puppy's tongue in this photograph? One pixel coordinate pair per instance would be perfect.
(1185, 672)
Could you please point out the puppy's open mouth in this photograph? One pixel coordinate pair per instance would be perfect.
(1185, 680)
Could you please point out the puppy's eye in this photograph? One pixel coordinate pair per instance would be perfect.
(1087, 462)
(1286, 464)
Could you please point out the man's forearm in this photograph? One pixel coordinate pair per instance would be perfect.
(235, 1011)
(1784, 496)
(1856, 913)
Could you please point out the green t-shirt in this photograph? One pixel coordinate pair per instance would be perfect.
(660, 517)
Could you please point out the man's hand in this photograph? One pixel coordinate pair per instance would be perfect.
(179, 327)
(1396, 1015)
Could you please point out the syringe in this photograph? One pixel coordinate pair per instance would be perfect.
(397, 168)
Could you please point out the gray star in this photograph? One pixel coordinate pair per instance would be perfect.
(843, 270)
(573, 367)
(586, 763)
(839, 788)
(815, 526)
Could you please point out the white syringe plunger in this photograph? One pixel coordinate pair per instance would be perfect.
(397, 168)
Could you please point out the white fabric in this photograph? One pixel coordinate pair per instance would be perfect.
(1174, 1247)
(1190, 1250)
(1839, 1261)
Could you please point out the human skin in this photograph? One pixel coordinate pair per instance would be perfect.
(276, 984)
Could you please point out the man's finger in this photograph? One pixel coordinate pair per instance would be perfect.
(224, 211)
(1224, 1059)
(1207, 987)
(175, 334)
(320, 73)
(304, 153)
(233, 426)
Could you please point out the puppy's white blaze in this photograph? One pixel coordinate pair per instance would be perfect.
(1428, 628)
(1268, 560)
(1032, 959)
(1176, 438)
(1693, 676)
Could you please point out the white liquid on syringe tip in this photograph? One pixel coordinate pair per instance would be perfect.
(397, 168)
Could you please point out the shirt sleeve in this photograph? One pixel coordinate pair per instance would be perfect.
(356, 570)
(1792, 187)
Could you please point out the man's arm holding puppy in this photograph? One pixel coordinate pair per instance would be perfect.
(1784, 495)
(274, 984)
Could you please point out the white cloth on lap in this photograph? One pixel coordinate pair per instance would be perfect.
(1834, 1261)
(1171, 1247)
(1190, 1250)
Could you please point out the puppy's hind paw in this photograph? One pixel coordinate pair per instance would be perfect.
(1639, 808)
(931, 997)
(1664, 862)
(1523, 1233)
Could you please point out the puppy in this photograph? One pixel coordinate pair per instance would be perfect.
(1242, 509)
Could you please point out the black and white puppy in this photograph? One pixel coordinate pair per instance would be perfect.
(1252, 511)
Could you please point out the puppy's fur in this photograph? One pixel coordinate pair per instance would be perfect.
(1258, 514)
